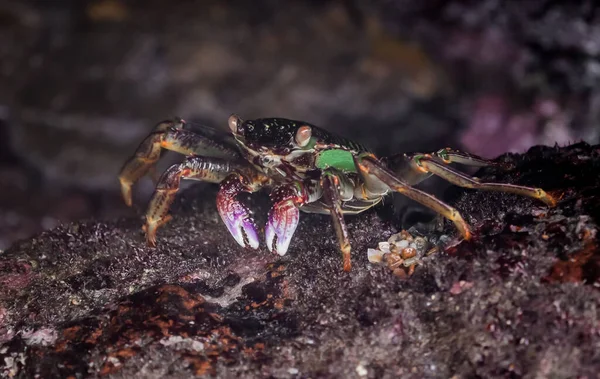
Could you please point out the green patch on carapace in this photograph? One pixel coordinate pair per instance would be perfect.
(338, 159)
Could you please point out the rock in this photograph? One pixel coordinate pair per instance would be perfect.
(521, 299)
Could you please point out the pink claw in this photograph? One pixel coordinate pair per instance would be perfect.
(283, 220)
(235, 215)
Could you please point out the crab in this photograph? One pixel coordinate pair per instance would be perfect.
(305, 168)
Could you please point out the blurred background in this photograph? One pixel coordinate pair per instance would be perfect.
(83, 81)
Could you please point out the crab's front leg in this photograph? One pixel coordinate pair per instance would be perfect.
(213, 170)
(284, 216)
(235, 215)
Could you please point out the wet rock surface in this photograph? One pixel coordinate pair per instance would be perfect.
(521, 299)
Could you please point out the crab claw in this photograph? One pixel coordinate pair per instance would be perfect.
(235, 215)
(283, 217)
(241, 226)
(282, 223)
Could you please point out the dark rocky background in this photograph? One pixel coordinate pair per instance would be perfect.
(81, 82)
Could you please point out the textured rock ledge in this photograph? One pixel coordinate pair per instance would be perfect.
(520, 300)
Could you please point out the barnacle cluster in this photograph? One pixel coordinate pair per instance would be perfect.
(401, 253)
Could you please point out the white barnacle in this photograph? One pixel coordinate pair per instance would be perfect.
(375, 256)
(384, 247)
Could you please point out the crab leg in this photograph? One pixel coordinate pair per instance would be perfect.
(429, 164)
(212, 170)
(449, 155)
(283, 216)
(168, 135)
(331, 193)
(370, 166)
(406, 165)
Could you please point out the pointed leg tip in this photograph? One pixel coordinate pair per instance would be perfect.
(347, 266)
(151, 227)
(346, 257)
(461, 224)
(347, 263)
(544, 196)
(126, 191)
(151, 239)
(549, 200)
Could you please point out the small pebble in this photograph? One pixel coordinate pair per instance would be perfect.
(361, 370)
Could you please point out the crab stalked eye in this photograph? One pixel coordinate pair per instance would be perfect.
(178, 123)
(234, 122)
(303, 135)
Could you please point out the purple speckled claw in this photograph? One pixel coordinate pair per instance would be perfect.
(283, 218)
(236, 215)
(241, 226)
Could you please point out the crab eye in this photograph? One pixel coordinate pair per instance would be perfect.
(234, 122)
(178, 123)
(303, 135)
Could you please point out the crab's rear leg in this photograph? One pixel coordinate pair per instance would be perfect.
(213, 170)
(167, 135)
(437, 164)
(371, 167)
